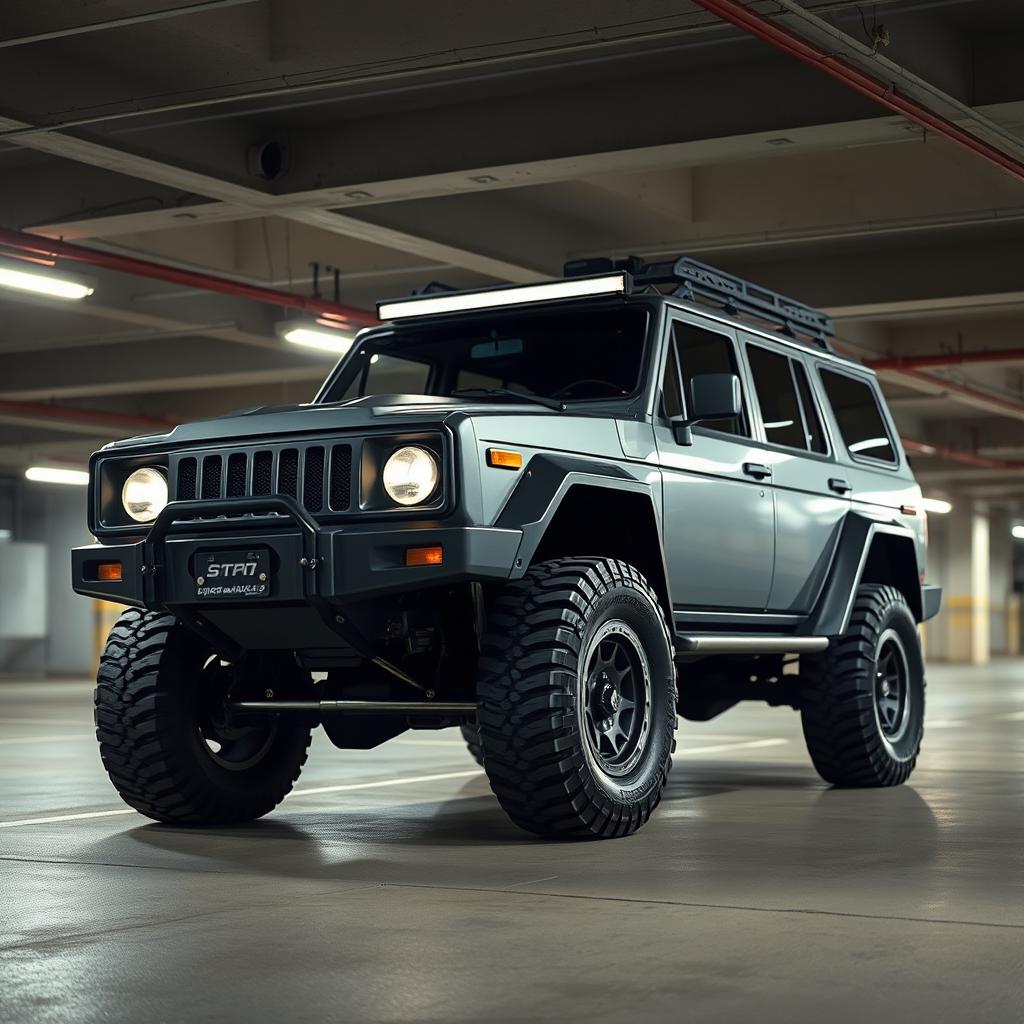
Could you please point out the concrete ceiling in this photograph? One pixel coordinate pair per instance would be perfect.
(480, 144)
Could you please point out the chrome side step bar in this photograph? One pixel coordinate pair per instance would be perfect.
(431, 709)
(734, 643)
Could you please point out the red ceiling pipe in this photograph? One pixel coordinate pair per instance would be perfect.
(977, 396)
(936, 359)
(956, 455)
(71, 414)
(837, 68)
(36, 245)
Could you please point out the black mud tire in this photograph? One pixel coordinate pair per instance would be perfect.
(538, 746)
(846, 723)
(471, 735)
(148, 709)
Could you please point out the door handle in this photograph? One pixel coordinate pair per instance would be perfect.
(839, 486)
(757, 470)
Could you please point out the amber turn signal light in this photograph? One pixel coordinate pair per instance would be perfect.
(503, 459)
(109, 572)
(424, 556)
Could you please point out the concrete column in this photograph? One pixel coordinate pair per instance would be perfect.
(1000, 583)
(968, 594)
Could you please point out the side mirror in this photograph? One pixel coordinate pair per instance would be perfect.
(713, 396)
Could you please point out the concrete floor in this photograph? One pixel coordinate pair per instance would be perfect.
(391, 888)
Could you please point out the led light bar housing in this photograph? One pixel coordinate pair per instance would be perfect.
(618, 283)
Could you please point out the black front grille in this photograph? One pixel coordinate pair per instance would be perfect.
(211, 476)
(321, 474)
(263, 473)
(288, 473)
(313, 484)
(341, 477)
(187, 473)
(236, 475)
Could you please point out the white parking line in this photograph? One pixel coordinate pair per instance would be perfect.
(49, 739)
(67, 817)
(85, 721)
(380, 784)
(721, 748)
(312, 791)
(351, 787)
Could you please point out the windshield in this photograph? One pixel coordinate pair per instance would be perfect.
(572, 356)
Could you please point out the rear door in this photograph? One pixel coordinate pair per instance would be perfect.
(718, 514)
(869, 454)
(811, 493)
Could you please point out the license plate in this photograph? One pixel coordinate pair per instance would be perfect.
(232, 574)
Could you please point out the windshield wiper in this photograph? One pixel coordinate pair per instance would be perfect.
(525, 396)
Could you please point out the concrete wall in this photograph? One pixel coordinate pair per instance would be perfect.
(55, 516)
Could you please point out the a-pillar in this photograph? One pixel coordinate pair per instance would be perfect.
(967, 593)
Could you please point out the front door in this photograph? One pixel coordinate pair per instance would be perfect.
(719, 519)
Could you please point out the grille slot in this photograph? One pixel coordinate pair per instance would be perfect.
(237, 464)
(313, 480)
(288, 473)
(211, 476)
(187, 472)
(341, 477)
(262, 473)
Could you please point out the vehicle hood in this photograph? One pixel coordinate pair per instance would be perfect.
(383, 412)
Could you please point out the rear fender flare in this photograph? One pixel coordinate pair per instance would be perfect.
(859, 537)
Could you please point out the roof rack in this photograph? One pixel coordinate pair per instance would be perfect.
(693, 279)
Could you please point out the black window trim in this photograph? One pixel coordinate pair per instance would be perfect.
(883, 414)
(826, 434)
(729, 334)
(787, 353)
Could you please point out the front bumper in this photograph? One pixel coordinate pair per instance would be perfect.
(310, 563)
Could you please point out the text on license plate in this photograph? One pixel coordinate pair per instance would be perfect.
(232, 573)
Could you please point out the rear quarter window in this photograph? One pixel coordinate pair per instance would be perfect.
(859, 418)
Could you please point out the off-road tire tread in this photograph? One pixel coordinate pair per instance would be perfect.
(837, 702)
(526, 712)
(144, 763)
(471, 735)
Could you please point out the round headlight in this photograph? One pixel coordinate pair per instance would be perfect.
(410, 475)
(144, 494)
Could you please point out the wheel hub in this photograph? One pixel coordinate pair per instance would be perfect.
(231, 744)
(892, 687)
(617, 698)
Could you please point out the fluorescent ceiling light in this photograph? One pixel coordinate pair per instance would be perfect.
(458, 302)
(936, 505)
(42, 282)
(1018, 532)
(327, 339)
(5, 534)
(52, 475)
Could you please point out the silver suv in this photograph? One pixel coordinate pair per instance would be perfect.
(557, 515)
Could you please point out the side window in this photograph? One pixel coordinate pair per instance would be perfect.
(702, 351)
(859, 419)
(812, 421)
(776, 397)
